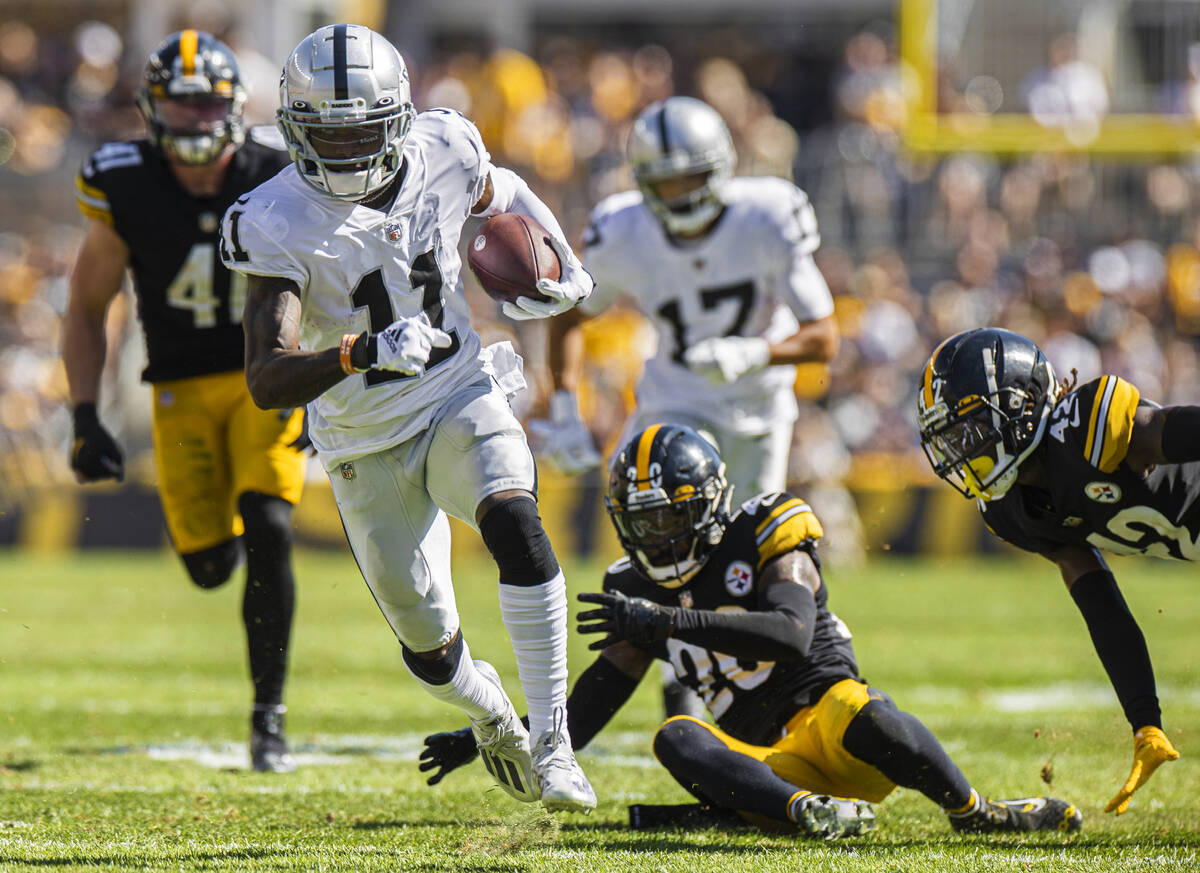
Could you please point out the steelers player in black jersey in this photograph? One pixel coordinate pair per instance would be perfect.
(228, 473)
(1066, 472)
(736, 603)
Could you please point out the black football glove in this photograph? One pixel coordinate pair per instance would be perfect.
(446, 752)
(633, 619)
(95, 455)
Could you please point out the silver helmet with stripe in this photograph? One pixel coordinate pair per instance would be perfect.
(345, 110)
(675, 139)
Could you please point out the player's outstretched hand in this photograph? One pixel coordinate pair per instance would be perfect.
(564, 439)
(574, 284)
(722, 359)
(446, 752)
(633, 619)
(405, 345)
(1151, 748)
(95, 455)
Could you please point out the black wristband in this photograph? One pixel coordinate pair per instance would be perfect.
(1181, 434)
(86, 417)
(1120, 645)
(364, 352)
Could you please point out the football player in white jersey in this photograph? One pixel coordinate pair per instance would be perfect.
(723, 268)
(354, 306)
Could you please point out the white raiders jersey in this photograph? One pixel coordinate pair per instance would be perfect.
(740, 279)
(360, 269)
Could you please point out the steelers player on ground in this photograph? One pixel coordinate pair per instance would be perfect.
(355, 307)
(737, 605)
(724, 270)
(1066, 472)
(154, 206)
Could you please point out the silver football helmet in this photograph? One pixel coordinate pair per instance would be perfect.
(345, 109)
(675, 138)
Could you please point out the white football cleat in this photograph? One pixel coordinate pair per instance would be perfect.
(503, 745)
(831, 818)
(560, 779)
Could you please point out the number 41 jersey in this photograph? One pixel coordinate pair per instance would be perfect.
(360, 269)
(189, 304)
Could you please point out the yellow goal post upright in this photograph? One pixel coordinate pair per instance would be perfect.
(1139, 46)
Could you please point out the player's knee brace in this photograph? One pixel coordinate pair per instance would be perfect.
(212, 567)
(267, 519)
(438, 670)
(513, 533)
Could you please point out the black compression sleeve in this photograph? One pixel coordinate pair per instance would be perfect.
(1120, 644)
(1181, 434)
(597, 695)
(781, 631)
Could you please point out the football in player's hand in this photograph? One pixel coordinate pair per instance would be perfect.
(509, 253)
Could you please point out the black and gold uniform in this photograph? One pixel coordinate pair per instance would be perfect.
(736, 603)
(750, 700)
(211, 443)
(229, 473)
(1090, 496)
(1065, 473)
(189, 305)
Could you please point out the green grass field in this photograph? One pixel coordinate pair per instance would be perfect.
(124, 707)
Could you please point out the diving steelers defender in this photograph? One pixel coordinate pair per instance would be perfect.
(228, 473)
(737, 605)
(1065, 472)
(355, 307)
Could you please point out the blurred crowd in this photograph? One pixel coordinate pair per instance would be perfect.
(1098, 262)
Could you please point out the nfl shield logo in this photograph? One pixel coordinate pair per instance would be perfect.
(393, 231)
(347, 471)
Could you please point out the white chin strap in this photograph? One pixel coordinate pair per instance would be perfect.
(672, 577)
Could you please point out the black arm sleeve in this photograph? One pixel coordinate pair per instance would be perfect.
(1181, 434)
(781, 631)
(598, 693)
(1120, 644)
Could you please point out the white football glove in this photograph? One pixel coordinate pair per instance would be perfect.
(722, 359)
(564, 440)
(405, 344)
(574, 284)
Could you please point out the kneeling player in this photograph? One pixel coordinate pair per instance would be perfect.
(736, 603)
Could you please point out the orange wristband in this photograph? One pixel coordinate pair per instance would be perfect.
(344, 353)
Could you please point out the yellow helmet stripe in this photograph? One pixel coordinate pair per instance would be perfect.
(643, 451)
(187, 51)
(927, 379)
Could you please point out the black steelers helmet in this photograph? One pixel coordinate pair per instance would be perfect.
(669, 499)
(194, 69)
(982, 407)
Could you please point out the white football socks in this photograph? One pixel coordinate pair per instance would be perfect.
(468, 689)
(536, 619)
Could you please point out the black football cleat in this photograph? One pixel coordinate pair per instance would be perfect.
(1028, 814)
(269, 751)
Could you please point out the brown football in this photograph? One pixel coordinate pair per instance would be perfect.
(509, 253)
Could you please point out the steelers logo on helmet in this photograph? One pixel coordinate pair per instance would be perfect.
(192, 98)
(345, 110)
(668, 499)
(982, 407)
